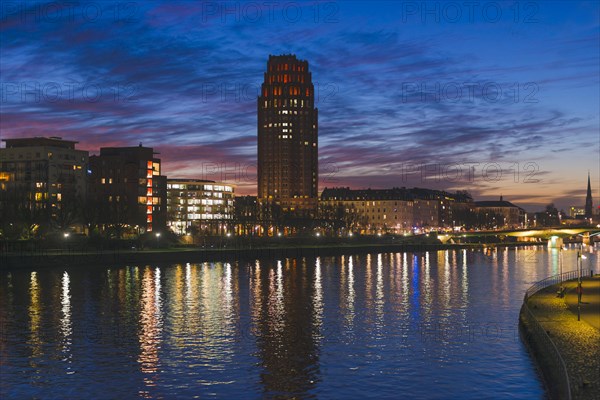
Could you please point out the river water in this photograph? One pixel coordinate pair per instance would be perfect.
(439, 324)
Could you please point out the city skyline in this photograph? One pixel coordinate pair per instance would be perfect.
(189, 90)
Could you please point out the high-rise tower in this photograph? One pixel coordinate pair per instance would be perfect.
(287, 136)
(588, 200)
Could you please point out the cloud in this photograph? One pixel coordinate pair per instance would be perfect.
(183, 78)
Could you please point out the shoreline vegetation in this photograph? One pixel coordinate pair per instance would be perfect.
(27, 255)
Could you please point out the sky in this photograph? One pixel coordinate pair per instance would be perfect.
(497, 98)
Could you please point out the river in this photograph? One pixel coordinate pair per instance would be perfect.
(440, 324)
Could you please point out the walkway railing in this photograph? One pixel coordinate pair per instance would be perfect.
(555, 280)
(553, 361)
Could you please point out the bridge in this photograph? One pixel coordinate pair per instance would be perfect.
(554, 235)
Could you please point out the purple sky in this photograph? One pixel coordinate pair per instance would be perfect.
(499, 98)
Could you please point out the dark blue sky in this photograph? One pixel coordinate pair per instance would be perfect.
(410, 93)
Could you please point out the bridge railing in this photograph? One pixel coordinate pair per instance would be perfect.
(553, 362)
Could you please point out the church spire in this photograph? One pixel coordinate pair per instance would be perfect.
(588, 200)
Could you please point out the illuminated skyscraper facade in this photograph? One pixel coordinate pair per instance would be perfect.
(288, 136)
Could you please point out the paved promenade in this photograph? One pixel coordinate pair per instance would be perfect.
(577, 341)
(590, 300)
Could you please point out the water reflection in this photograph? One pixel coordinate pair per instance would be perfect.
(306, 327)
(318, 300)
(66, 328)
(35, 311)
(351, 297)
(379, 300)
(150, 329)
(286, 340)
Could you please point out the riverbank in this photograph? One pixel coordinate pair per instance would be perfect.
(577, 342)
(70, 257)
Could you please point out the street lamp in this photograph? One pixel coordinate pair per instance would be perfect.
(580, 257)
(66, 236)
(157, 237)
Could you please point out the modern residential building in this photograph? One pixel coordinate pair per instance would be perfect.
(288, 137)
(42, 181)
(128, 190)
(199, 206)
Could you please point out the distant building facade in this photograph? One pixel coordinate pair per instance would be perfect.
(128, 189)
(247, 216)
(577, 212)
(397, 210)
(288, 137)
(199, 206)
(453, 208)
(589, 207)
(500, 214)
(43, 180)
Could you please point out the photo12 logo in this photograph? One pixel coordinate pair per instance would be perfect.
(519, 172)
(39, 92)
(469, 92)
(252, 12)
(231, 92)
(452, 12)
(25, 12)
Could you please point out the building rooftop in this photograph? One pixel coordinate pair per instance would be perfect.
(128, 151)
(52, 141)
(345, 193)
(190, 180)
(495, 203)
